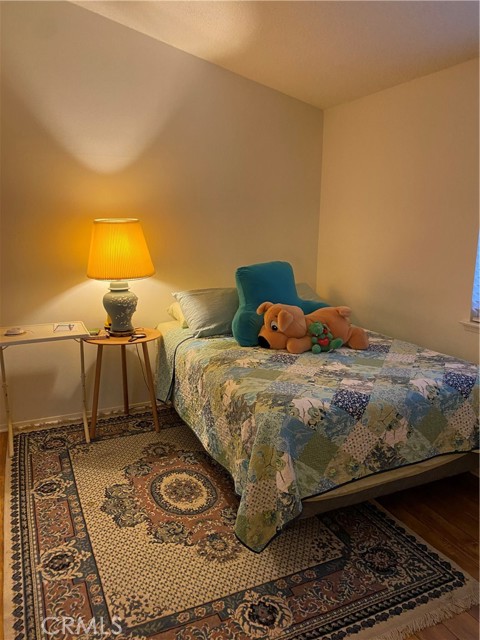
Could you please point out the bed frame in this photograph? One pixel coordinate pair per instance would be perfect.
(391, 481)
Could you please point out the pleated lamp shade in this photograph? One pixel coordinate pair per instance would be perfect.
(118, 250)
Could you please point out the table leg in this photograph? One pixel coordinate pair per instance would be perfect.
(125, 381)
(96, 390)
(7, 406)
(84, 393)
(151, 390)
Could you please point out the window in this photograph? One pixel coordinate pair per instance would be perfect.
(475, 312)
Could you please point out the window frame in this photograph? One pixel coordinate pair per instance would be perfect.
(475, 301)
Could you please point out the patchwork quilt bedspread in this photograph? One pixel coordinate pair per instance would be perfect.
(288, 427)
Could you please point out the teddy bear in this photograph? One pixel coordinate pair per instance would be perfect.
(286, 327)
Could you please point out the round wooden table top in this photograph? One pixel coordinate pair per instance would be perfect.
(104, 339)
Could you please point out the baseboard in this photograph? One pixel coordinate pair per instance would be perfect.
(54, 421)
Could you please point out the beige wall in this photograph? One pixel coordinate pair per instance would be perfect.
(98, 121)
(399, 209)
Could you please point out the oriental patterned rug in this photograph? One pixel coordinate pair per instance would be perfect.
(131, 537)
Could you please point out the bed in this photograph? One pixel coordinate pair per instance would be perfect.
(302, 434)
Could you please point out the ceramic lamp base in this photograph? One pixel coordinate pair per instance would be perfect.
(120, 304)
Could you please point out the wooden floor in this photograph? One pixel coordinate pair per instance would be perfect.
(444, 513)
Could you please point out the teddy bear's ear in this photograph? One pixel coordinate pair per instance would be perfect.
(284, 320)
(263, 307)
(344, 311)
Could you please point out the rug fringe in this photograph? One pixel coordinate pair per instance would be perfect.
(430, 614)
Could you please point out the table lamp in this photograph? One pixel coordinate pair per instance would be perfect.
(119, 252)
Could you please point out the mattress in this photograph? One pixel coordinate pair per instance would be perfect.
(289, 427)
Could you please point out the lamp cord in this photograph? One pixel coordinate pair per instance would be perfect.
(139, 360)
(141, 367)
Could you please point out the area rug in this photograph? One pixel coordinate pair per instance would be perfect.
(131, 537)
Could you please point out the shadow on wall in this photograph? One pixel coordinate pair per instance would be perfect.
(84, 98)
(34, 374)
(123, 125)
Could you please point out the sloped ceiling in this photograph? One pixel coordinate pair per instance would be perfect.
(321, 52)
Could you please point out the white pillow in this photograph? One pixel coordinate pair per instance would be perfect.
(175, 312)
(208, 312)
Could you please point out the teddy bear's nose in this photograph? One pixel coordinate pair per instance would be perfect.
(263, 342)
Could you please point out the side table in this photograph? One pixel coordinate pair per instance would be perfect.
(47, 332)
(103, 340)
